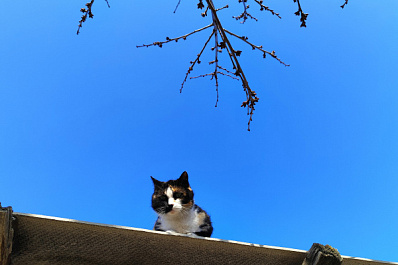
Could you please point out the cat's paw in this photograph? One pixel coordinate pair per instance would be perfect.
(193, 235)
(171, 232)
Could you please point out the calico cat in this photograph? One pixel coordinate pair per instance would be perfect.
(174, 204)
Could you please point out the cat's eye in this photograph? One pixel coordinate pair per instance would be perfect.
(163, 198)
(178, 195)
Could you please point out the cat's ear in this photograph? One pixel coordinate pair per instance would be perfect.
(156, 182)
(183, 179)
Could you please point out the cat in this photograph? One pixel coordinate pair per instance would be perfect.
(177, 212)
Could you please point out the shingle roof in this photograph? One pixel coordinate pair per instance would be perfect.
(50, 240)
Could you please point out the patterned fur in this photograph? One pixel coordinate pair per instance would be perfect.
(177, 212)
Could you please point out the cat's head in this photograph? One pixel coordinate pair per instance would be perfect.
(173, 196)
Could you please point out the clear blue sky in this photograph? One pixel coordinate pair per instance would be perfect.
(86, 120)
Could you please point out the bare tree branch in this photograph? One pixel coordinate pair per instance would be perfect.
(243, 38)
(238, 74)
(251, 96)
(222, 8)
(299, 12)
(197, 60)
(184, 37)
(266, 8)
(345, 3)
(175, 10)
(216, 59)
(231, 73)
(86, 12)
(245, 15)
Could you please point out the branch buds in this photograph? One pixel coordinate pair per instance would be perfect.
(200, 4)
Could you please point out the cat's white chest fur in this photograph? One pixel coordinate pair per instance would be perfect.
(181, 222)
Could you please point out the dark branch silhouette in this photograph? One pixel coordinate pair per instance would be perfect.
(220, 44)
(224, 44)
(245, 15)
(299, 12)
(87, 12)
(345, 3)
(184, 37)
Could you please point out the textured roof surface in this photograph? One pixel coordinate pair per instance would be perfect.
(49, 240)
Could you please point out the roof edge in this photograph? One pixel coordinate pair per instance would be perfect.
(190, 236)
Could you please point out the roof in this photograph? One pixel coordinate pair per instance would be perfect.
(49, 240)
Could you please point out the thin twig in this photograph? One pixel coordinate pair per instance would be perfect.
(212, 74)
(222, 8)
(216, 58)
(243, 38)
(251, 96)
(175, 10)
(233, 77)
(266, 8)
(160, 43)
(226, 70)
(205, 13)
(199, 76)
(244, 14)
(299, 12)
(345, 3)
(86, 12)
(196, 61)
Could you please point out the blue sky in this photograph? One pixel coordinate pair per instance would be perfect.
(86, 120)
